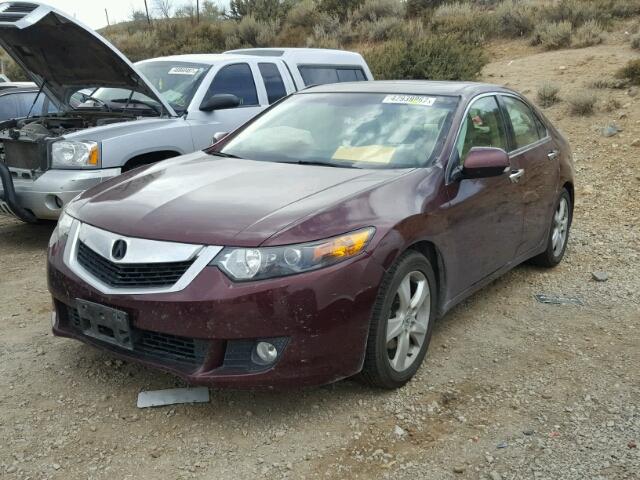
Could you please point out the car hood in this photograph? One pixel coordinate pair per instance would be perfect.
(63, 56)
(202, 199)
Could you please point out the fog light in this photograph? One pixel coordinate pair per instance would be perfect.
(266, 352)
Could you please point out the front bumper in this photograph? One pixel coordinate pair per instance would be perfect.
(320, 319)
(47, 195)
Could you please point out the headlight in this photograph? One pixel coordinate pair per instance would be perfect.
(70, 154)
(62, 229)
(244, 264)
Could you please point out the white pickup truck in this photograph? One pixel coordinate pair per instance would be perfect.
(114, 115)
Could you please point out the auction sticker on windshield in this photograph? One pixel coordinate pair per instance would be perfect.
(419, 100)
(183, 71)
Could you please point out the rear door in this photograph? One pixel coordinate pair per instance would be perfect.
(533, 152)
(238, 79)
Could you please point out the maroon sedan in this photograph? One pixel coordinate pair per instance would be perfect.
(319, 241)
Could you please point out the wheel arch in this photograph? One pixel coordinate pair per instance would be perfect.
(433, 254)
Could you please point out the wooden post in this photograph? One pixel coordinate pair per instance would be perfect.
(107, 14)
(146, 8)
(197, 11)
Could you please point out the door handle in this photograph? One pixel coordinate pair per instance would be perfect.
(516, 175)
(553, 154)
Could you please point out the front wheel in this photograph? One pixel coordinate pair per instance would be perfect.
(558, 234)
(401, 324)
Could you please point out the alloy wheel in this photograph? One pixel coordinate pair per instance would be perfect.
(409, 320)
(560, 227)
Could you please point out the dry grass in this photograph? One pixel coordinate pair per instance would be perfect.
(553, 35)
(582, 103)
(588, 34)
(548, 94)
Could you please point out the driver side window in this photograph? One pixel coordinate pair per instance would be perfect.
(483, 127)
(237, 80)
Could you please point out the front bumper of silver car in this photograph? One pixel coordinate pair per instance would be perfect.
(45, 196)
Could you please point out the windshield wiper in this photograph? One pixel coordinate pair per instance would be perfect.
(224, 155)
(141, 102)
(318, 163)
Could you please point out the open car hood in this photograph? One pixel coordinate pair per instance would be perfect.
(65, 56)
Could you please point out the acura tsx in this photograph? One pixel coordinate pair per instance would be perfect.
(319, 241)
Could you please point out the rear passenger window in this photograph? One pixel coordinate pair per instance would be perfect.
(526, 126)
(316, 75)
(483, 127)
(237, 80)
(272, 81)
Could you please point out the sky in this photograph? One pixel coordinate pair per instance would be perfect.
(91, 12)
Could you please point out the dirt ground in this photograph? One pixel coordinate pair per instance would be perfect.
(511, 388)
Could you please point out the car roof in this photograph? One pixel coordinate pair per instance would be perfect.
(296, 55)
(5, 91)
(410, 87)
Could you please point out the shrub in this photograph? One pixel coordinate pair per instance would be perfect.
(548, 94)
(463, 20)
(582, 103)
(418, 8)
(514, 18)
(433, 58)
(587, 34)
(340, 8)
(256, 34)
(383, 29)
(630, 72)
(635, 42)
(552, 35)
(611, 104)
(303, 14)
(606, 83)
(576, 12)
(372, 10)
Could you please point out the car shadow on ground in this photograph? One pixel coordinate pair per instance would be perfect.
(24, 236)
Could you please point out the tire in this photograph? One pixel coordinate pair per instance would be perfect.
(379, 369)
(553, 253)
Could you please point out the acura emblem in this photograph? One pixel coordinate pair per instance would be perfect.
(119, 249)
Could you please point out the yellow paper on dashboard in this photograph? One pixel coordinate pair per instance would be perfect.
(368, 153)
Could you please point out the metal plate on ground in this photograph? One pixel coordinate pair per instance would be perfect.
(104, 323)
(555, 300)
(159, 398)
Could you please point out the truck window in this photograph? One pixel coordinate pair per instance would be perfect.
(25, 102)
(237, 80)
(8, 107)
(272, 81)
(319, 75)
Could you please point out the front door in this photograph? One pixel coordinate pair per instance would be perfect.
(485, 214)
(236, 79)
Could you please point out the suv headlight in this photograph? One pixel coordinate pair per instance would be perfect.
(242, 264)
(71, 154)
(62, 229)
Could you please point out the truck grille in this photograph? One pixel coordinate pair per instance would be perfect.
(131, 275)
(16, 11)
(23, 154)
(159, 346)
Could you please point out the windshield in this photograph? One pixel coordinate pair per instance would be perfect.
(177, 82)
(359, 130)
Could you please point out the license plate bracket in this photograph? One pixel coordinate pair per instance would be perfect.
(104, 323)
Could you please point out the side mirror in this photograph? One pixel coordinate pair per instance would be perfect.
(483, 162)
(219, 136)
(221, 101)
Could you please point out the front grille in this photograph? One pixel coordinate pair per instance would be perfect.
(25, 154)
(130, 275)
(172, 347)
(16, 11)
(158, 346)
